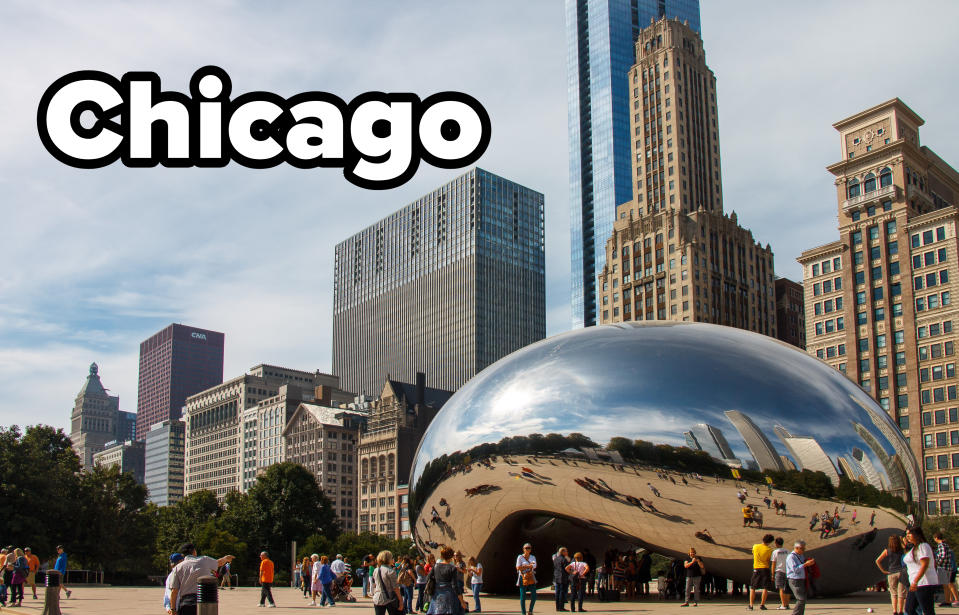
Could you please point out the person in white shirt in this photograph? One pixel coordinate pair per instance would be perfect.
(338, 567)
(175, 559)
(578, 571)
(778, 564)
(526, 578)
(475, 569)
(921, 570)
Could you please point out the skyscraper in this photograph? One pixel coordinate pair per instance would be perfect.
(763, 451)
(878, 300)
(600, 45)
(673, 254)
(95, 419)
(808, 454)
(163, 462)
(711, 440)
(174, 364)
(447, 285)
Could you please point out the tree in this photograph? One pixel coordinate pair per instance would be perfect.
(38, 486)
(287, 504)
(179, 522)
(113, 528)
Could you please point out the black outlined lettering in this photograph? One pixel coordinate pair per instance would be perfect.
(378, 139)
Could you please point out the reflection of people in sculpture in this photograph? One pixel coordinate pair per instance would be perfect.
(705, 535)
(747, 515)
(758, 517)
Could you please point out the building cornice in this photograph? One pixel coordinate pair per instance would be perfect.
(819, 251)
(892, 102)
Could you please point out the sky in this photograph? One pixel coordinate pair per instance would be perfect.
(96, 261)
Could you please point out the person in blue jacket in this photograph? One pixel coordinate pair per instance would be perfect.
(61, 567)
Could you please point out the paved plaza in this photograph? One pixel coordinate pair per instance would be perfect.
(243, 601)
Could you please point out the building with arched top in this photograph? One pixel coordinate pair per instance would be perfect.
(397, 422)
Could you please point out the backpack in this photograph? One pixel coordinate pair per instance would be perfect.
(407, 578)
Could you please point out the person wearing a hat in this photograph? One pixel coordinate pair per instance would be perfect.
(186, 575)
(175, 559)
(61, 566)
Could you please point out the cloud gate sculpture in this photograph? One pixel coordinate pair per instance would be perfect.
(640, 436)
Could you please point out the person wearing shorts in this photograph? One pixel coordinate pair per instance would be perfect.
(34, 562)
(761, 579)
(890, 564)
(778, 567)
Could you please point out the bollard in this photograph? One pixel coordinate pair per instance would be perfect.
(51, 599)
(206, 596)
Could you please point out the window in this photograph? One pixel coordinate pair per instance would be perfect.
(817, 289)
(915, 240)
(926, 237)
(881, 341)
(836, 264)
(852, 190)
(863, 366)
(901, 359)
(837, 283)
(857, 237)
(898, 337)
(885, 176)
(880, 314)
(857, 257)
(861, 297)
(863, 345)
(901, 379)
(860, 277)
(903, 420)
(891, 227)
(869, 183)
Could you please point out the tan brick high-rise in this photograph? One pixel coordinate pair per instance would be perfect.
(879, 301)
(674, 254)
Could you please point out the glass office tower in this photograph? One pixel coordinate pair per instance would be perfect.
(600, 38)
(446, 286)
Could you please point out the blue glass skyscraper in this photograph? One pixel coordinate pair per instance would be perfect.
(600, 38)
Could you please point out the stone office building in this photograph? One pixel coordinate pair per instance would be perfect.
(96, 419)
(673, 253)
(128, 456)
(879, 300)
(323, 439)
(396, 424)
(223, 430)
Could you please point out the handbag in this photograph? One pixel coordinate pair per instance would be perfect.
(529, 577)
(431, 584)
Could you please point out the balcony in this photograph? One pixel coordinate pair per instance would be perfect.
(886, 192)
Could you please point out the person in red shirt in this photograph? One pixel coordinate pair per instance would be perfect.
(266, 579)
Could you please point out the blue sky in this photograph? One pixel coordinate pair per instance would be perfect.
(96, 261)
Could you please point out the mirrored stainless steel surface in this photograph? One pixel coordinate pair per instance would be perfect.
(632, 436)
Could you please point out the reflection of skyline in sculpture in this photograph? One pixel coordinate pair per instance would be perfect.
(759, 445)
(711, 440)
(872, 475)
(494, 456)
(894, 469)
(851, 469)
(894, 437)
(808, 453)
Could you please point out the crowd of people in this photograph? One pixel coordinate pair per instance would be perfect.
(20, 567)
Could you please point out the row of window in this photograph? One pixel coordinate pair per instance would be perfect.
(930, 279)
(940, 418)
(935, 351)
(879, 315)
(929, 258)
(871, 211)
(827, 306)
(937, 372)
(882, 362)
(934, 329)
(941, 439)
(938, 394)
(875, 252)
(855, 188)
(933, 301)
(942, 484)
(828, 326)
(826, 286)
(831, 351)
(941, 507)
(876, 273)
(927, 236)
(873, 232)
(878, 293)
(827, 266)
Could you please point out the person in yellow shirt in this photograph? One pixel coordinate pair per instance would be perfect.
(761, 579)
(266, 579)
(34, 563)
(747, 515)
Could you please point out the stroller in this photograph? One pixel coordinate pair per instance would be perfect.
(341, 589)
